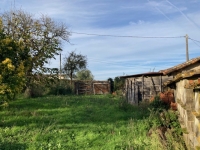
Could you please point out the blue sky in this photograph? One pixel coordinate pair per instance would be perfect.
(110, 56)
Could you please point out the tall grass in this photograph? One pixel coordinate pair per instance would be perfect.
(77, 123)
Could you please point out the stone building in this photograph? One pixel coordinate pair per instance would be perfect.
(186, 87)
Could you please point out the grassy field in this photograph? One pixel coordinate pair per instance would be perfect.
(79, 123)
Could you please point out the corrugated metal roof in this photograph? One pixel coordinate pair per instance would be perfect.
(143, 74)
(180, 66)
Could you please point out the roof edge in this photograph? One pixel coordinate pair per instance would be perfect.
(143, 74)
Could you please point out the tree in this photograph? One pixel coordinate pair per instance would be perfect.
(42, 37)
(110, 80)
(84, 74)
(12, 66)
(73, 63)
(118, 83)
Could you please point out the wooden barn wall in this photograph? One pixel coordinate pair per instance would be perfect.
(92, 87)
(143, 88)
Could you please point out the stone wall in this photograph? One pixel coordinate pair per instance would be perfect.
(186, 92)
(188, 105)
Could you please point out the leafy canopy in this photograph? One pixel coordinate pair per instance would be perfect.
(84, 74)
(12, 66)
(73, 63)
(42, 37)
(118, 83)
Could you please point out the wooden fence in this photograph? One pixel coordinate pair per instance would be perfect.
(92, 87)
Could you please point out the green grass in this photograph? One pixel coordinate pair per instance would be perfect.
(76, 123)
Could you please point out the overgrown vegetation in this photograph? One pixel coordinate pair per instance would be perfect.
(26, 46)
(165, 122)
(61, 87)
(12, 66)
(119, 84)
(56, 87)
(85, 122)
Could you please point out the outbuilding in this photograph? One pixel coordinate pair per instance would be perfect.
(186, 87)
(141, 87)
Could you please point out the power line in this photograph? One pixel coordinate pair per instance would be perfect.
(127, 36)
(194, 40)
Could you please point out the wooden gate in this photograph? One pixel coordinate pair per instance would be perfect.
(92, 87)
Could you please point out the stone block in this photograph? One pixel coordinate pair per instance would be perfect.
(197, 126)
(191, 137)
(190, 116)
(181, 110)
(196, 141)
(190, 126)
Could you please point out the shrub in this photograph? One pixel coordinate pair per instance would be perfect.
(61, 90)
(61, 87)
(12, 67)
(35, 90)
(119, 92)
(161, 117)
(157, 103)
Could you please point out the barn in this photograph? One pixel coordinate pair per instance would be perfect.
(141, 87)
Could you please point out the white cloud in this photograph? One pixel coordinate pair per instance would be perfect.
(166, 6)
(112, 56)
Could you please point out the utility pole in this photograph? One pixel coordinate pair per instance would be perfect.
(60, 66)
(187, 53)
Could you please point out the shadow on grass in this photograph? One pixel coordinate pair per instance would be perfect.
(69, 110)
(12, 146)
